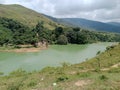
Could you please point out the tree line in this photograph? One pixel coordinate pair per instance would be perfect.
(15, 33)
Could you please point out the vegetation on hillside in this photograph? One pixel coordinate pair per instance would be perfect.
(83, 76)
(25, 16)
(19, 25)
(15, 33)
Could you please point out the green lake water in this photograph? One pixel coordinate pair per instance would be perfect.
(53, 56)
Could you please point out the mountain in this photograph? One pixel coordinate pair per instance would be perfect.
(88, 24)
(31, 18)
(114, 23)
(24, 15)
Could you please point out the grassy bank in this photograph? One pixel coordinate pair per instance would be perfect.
(99, 73)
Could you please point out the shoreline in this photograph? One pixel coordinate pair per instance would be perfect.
(30, 49)
(33, 49)
(22, 50)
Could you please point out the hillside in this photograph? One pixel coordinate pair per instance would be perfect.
(88, 75)
(30, 18)
(24, 15)
(114, 23)
(88, 24)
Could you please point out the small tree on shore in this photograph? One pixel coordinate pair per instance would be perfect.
(62, 40)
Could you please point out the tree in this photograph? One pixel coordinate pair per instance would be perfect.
(16, 32)
(72, 36)
(39, 27)
(58, 31)
(62, 40)
(5, 37)
(81, 38)
(39, 30)
(77, 29)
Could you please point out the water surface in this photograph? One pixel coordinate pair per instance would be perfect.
(53, 56)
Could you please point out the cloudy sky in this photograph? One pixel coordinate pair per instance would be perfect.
(100, 10)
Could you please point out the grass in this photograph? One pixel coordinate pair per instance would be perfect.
(105, 59)
(83, 76)
(44, 81)
(26, 16)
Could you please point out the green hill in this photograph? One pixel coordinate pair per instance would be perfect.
(24, 15)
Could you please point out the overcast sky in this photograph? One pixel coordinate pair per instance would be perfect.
(100, 10)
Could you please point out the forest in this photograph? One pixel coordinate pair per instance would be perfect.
(13, 32)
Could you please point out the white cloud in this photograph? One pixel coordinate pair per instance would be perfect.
(2, 1)
(103, 10)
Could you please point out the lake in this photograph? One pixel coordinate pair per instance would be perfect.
(53, 56)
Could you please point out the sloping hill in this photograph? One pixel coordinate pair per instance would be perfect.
(87, 24)
(92, 24)
(104, 60)
(95, 25)
(114, 23)
(30, 18)
(25, 15)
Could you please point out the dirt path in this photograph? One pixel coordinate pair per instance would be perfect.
(104, 69)
(114, 66)
(82, 83)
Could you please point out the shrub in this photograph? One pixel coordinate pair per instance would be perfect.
(15, 86)
(62, 78)
(98, 52)
(65, 64)
(83, 75)
(103, 77)
(1, 73)
(32, 83)
(97, 70)
(110, 47)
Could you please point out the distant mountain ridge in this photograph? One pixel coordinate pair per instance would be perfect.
(31, 18)
(95, 25)
(114, 23)
(88, 24)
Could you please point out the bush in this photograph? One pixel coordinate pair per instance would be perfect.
(1, 73)
(15, 86)
(62, 40)
(110, 47)
(32, 83)
(65, 64)
(83, 75)
(98, 53)
(97, 70)
(103, 77)
(62, 78)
